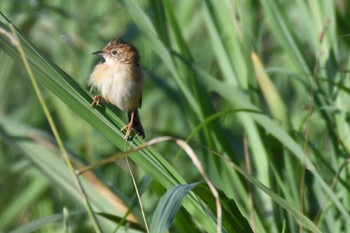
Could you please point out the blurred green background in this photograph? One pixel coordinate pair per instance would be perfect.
(262, 83)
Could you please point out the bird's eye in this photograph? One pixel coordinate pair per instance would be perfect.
(114, 52)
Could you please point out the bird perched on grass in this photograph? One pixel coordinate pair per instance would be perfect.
(120, 81)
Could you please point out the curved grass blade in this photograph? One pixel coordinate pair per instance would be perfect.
(168, 206)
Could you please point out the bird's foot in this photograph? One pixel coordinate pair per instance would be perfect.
(128, 129)
(96, 101)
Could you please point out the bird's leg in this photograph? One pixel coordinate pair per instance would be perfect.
(96, 101)
(128, 127)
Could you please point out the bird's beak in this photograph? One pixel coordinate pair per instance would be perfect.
(100, 53)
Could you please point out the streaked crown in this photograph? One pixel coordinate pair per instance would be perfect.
(121, 51)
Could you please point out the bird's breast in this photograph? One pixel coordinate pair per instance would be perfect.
(120, 85)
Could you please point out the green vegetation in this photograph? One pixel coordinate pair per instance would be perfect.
(259, 90)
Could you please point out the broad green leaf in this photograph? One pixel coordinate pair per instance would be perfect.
(168, 206)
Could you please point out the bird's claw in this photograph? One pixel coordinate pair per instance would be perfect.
(96, 101)
(128, 129)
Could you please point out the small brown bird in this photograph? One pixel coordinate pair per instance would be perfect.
(120, 81)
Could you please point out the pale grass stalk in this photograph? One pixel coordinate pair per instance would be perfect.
(15, 41)
(137, 194)
(199, 167)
